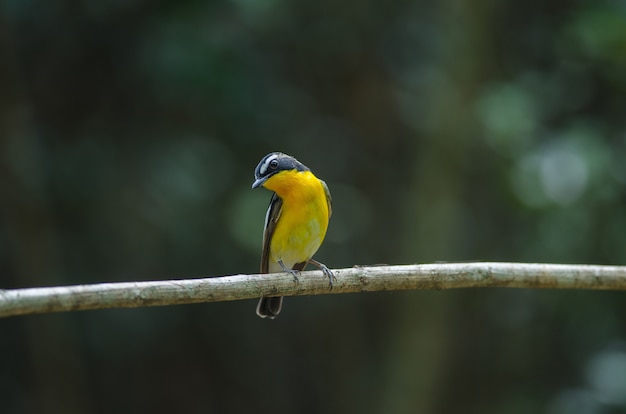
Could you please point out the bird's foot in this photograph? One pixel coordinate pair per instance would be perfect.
(329, 273)
(294, 273)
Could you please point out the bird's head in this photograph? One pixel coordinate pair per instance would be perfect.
(273, 164)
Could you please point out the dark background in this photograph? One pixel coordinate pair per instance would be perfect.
(447, 131)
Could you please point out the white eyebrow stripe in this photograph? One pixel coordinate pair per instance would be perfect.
(266, 164)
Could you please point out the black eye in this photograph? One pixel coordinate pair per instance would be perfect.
(273, 164)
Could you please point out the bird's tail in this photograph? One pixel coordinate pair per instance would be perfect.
(269, 307)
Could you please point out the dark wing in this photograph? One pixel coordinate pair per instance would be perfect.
(329, 199)
(271, 218)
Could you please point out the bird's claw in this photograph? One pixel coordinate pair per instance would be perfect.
(295, 274)
(329, 273)
(292, 272)
(331, 277)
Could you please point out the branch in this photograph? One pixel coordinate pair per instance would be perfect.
(358, 279)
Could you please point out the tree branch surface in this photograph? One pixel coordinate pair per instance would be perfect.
(351, 280)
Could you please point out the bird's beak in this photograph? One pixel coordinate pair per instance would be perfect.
(259, 182)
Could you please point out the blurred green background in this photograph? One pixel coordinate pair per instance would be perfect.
(447, 131)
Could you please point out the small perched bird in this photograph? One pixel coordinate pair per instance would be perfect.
(296, 221)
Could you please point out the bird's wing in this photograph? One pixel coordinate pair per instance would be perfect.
(329, 199)
(271, 218)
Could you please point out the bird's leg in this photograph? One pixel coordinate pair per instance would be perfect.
(293, 272)
(329, 273)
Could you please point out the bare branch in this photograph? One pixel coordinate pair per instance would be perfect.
(358, 279)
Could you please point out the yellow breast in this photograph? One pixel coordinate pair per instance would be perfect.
(303, 220)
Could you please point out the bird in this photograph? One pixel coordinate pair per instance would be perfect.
(295, 224)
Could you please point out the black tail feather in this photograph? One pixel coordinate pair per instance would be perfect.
(269, 307)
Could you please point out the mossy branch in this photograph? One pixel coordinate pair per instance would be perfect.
(357, 279)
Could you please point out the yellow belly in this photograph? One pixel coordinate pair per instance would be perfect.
(295, 243)
(303, 221)
(298, 234)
